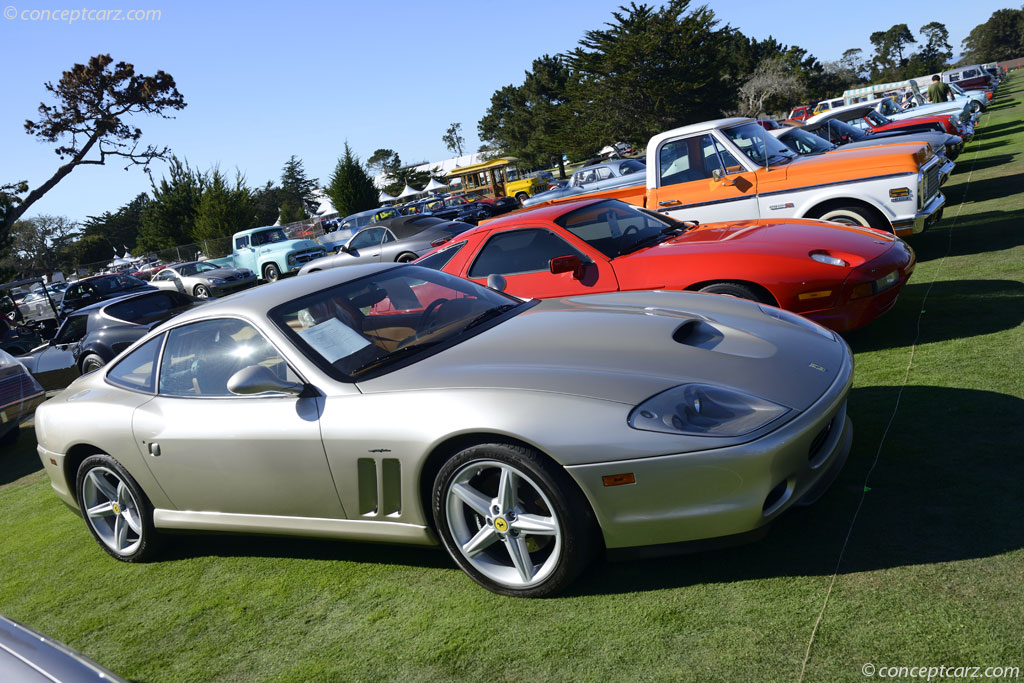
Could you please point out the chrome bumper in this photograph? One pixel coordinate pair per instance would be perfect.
(923, 219)
(945, 170)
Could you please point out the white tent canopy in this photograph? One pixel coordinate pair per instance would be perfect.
(435, 186)
(409, 192)
(385, 197)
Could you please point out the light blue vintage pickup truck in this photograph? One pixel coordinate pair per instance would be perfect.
(269, 253)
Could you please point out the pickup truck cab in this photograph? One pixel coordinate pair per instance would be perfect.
(733, 169)
(269, 253)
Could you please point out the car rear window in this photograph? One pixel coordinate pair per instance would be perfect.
(145, 309)
(440, 259)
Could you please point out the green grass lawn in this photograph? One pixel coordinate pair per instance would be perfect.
(930, 501)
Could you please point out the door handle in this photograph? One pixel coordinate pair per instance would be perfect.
(154, 450)
(670, 202)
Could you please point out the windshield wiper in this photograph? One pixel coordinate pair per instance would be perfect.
(488, 315)
(393, 356)
(658, 237)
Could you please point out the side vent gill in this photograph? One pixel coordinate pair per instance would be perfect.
(380, 487)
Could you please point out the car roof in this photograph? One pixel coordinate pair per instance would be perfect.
(696, 128)
(407, 226)
(541, 213)
(116, 299)
(849, 111)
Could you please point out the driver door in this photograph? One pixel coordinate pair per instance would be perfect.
(214, 451)
(365, 246)
(523, 258)
(686, 188)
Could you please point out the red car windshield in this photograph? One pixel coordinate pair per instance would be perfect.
(615, 228)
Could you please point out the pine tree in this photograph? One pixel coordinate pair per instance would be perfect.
(223, 209)
(351, 190)
(297, 191)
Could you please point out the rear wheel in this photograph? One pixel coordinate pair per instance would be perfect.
(91, 362)
(406, 258)
(271, 273)
(522, 197)
(513, 521)
(736, 289)
(115, 509)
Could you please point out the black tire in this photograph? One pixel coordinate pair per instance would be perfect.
(90, 362)
(131, 504)
(201, 292)
(406, 258)
(852, 214)
(976, 106)
(271, 273)
(522, 197)
(544, 491)
(736, 289)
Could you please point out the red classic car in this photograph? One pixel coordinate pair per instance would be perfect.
(840, 276)
(801, 113)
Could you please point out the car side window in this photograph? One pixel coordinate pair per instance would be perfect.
(439, 259)
(604, 173)
(370, 237)
(72, 330)
(684, 160)
(200, 358)
(242, 242)
(520, 251)
(137, 369)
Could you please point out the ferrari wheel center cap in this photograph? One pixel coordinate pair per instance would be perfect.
(116, 508)
(500, 525)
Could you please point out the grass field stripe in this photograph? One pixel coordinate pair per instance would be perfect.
(892, 418)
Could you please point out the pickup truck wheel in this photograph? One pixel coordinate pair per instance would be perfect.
(522, 197)
(736, 289)
(852, 214)
(271, 272)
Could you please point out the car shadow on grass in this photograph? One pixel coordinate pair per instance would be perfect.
(976, 233)
(1004, 128)
(19, 459)
(185, 545)
(955, 309)
(945, 489)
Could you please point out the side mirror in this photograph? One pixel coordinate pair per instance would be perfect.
(497, 282)
(567, 264)
(258, 379)
(344, 249)
(717, 174)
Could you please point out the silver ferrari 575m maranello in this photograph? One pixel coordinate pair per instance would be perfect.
(396, 403)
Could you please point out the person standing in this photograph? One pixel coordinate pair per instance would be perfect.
(939, 91)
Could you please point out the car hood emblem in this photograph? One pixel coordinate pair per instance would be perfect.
(817, 367)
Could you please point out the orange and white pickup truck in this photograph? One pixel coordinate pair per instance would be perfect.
(732, 169)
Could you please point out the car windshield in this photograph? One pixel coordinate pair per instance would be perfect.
(840, 133)
(877, 119)
(374, 323)
(759, 145)
(615, 228)
(802, 142)
(268, 236)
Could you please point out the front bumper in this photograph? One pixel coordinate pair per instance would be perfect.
(923, 219)
(688, 497)
(945, 170)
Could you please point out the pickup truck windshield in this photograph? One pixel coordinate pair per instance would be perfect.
(268, 236)
(759, 145)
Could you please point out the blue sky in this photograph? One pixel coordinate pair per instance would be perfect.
(266, 80)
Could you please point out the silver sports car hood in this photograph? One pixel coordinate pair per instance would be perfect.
(633, 345)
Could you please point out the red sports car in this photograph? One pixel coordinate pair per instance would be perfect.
(840, 276)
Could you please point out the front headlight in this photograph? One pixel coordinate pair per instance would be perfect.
(291, 259)
(217, 281)
(704, 410)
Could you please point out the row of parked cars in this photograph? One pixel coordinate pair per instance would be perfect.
(550, 384)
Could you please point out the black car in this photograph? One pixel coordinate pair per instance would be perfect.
(99, 288)
(91, 336)
(452, 209)
(841, 133)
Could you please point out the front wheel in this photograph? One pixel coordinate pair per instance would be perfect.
(736, 289)
(522, 197)
(513, 521)
(115, 509)
(852, 215)
(271, 273)
(201, 292)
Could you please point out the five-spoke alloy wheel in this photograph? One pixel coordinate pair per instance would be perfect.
(513, 522)
(116, 511)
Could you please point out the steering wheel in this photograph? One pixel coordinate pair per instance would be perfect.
(426, 318)
(632, 229)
